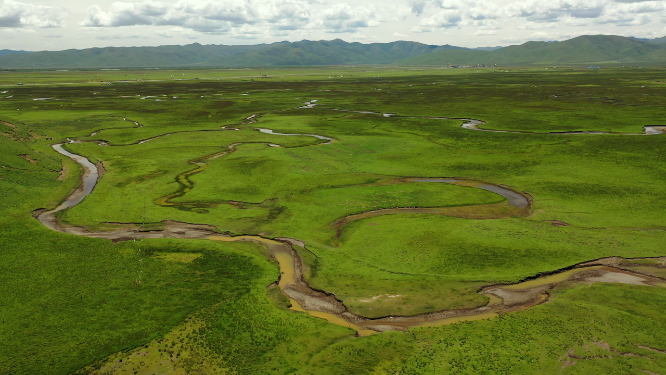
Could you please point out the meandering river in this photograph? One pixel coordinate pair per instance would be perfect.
(502, 298)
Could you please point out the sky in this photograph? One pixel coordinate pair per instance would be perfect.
(36, 25)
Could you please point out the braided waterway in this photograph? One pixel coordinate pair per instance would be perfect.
(502, 298)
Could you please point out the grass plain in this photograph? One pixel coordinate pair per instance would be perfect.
(210, 299)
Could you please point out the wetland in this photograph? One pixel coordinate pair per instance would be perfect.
(359, 231)
(320, 304)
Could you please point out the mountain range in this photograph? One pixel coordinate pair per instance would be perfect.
(4, 52)
(583, 49)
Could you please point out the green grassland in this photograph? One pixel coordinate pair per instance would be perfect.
(579, 322)
(121, 77)
(69, 301)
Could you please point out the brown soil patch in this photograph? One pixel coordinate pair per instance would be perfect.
(606, 346)
(8, 124)
(313, 300)
(292, 241)
(28, 158)
(63, 172)
(125, 232)
(569, 359)
(648, 267)
(617, 262)
(514, 298)
(651, 349)
(38, 212)
(603, 276)
(100, 168)
(557, 223)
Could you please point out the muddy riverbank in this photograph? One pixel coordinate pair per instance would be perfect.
(502, 299)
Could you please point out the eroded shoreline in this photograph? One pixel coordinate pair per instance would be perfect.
(502, 298)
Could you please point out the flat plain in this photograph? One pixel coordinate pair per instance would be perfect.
(192, 151)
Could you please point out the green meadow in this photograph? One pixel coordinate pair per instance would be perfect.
(75, 304)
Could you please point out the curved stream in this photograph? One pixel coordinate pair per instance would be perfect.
(269, 131)
(89, 181)
(647, 130)
(502, 298)
(473, 124)
(124, 231)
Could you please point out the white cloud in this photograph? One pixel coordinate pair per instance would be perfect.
(342, 18)
(164, 33)
(541, 35)
(469, 23)
(16, 15)
(624, 19)
(242, 19)
(643, 33)
(418, 6)
(443, 19)
(630, 1)
(247, 32)
(108, 36)
(552, 11)
(483, 10)
(445, 14)
(483, 32)
(176, 32)
(17, 30)
(642, 7)
(511, 40)
(571, 12)
(536, 26)
(205, 16)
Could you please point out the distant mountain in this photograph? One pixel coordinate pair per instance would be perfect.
(486, 48)
(592, 49)
(335, 52)
(282, 53)
(4, 52)
(113, 57)
(583, 49)
(657, 40)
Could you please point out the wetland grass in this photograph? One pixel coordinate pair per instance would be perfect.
(603, 186)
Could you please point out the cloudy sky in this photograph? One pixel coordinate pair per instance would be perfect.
(63, 24)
